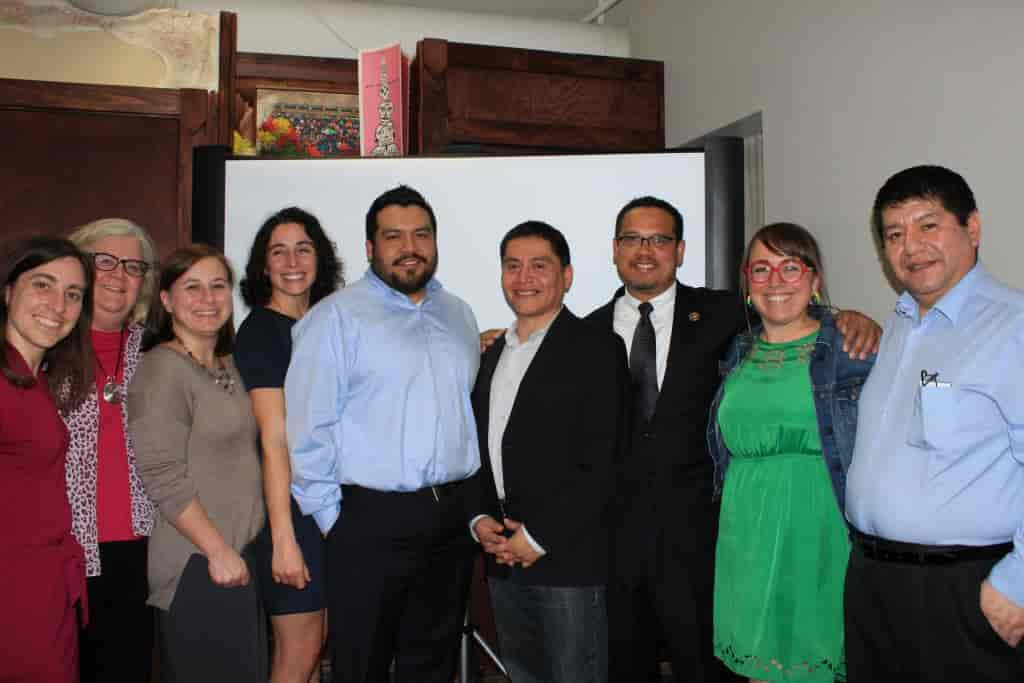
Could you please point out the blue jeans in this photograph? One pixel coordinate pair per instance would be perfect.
(551, 634)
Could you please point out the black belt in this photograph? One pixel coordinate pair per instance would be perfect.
(436, 492)
(883, 550)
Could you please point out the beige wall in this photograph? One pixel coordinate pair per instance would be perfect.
(850, 93)
(339, 29)
(49, 40)
(86, 57)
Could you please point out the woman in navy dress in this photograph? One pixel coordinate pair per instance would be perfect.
(292, 265)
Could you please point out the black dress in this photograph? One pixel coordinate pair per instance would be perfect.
(263, 349)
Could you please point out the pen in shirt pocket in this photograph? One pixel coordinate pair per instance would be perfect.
(932, 378)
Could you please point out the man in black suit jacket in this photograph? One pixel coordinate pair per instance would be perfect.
(665, 523)
(551, 429)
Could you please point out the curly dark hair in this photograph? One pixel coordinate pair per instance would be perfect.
(255, 286)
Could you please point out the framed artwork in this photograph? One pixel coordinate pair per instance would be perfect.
(303, 124)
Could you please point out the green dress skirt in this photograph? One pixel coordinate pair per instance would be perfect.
(782, 544)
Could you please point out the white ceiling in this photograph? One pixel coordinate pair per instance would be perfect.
(567, 10)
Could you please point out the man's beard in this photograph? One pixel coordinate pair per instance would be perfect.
(406, 285)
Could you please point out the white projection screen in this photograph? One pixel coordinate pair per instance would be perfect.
(476, 200)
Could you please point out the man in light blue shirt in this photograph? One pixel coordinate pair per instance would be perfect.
(382, 434)
(935, 494)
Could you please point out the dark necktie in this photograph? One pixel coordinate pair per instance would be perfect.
(643, 365)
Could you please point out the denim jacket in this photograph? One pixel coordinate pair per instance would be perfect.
(836, 380)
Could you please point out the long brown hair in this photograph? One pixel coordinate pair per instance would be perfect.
(160, 327)
(69, 361)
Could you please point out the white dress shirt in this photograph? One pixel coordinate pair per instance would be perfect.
(512, 365)
(627, 316)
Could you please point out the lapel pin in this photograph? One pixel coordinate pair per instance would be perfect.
(694, 316)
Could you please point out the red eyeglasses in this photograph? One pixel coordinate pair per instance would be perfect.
(789, 270)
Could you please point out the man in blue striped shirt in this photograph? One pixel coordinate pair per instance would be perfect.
(935, 494)
(382, 434)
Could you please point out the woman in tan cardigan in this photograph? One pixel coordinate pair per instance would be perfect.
(196, 443)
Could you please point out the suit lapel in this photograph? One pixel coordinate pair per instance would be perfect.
(683, 330)
(483, 385)
(605, 315)
(545, 364)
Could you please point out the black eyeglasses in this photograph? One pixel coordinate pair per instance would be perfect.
(637, 241)
(131, 266)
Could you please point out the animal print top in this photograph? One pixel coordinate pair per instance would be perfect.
(83, 425)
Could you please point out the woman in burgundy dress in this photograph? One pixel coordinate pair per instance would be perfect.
(45, 313)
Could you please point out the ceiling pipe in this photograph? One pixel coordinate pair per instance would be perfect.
(600, 11)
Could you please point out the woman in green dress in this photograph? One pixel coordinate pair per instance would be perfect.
(781, 433)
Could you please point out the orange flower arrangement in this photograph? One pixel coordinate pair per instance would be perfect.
(278, 137)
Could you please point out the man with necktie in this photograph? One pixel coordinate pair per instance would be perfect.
(666, 520)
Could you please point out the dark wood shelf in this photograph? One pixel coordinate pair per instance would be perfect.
(497, 100)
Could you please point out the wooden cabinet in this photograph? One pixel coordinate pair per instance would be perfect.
(75, 153)
(478, 99)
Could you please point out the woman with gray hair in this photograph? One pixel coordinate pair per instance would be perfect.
(111, 514)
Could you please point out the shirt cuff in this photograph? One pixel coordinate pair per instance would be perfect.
(1007, 577)
(536, 546)
(472, 527)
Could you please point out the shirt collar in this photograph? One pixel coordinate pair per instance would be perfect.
(659, 302)
(512, 338)
(951, 304)
(17, 362)
(387, 290)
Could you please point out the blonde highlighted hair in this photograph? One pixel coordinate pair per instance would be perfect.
(84, 236)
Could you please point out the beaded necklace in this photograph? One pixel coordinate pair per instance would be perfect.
(221, 377)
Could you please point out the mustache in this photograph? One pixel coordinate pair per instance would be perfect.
(403, 257)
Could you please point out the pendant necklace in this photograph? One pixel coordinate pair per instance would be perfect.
(221, 377)
(111, 390)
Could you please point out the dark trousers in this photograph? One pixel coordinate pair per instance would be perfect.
(662, 588)
(117, 645)
(212, 634)
(398, 568)
(912, 622)
(551, 634)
